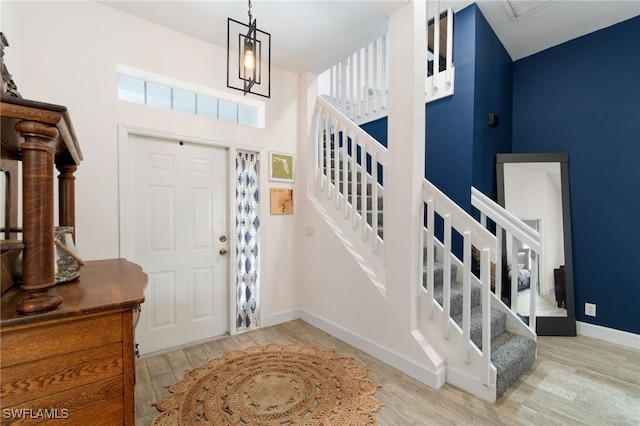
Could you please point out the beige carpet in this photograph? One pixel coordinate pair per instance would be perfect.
(273, 385)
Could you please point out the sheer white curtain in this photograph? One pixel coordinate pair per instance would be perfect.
(247, 240)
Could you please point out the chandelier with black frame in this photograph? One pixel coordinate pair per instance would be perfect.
(248, 57)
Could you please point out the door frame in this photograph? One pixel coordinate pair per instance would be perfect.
(125, 132)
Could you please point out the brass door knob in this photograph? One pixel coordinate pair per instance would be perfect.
(223, 238)
(223, 251)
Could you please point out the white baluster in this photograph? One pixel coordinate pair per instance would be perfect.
(363, 190)
(514, 274)
(375, 76)
(430, 246)
(354, 181)
(337, 161)
(343, 88)
(533, 289)
(374, 201)
(446, 275)
(466, 299)
(436, 47)
(449, 70)
(321, 153)
(485, 277)
(316, 145)
(384, 78)
(345, 171)
(359, 82)
(498, 274)
(327, 153)
(367, 80)
(332, 85)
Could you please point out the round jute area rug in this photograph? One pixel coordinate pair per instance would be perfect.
(272, 385)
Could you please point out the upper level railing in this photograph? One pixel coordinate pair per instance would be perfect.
(440, 69)
(509, 230)
(358, 85)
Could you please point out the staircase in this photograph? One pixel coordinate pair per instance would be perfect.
(485, 344)
(457, 310)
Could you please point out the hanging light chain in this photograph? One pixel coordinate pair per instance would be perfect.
(249, 13)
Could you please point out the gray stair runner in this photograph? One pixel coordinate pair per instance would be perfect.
(511, 354)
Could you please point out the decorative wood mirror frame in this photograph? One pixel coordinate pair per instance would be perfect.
(549, 325)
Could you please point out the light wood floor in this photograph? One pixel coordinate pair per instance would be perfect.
(546, 305)
(575, 380)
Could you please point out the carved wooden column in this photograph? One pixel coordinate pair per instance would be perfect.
(38, 274)
(66, 195)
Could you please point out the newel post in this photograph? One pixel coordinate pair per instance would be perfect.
(406, 133)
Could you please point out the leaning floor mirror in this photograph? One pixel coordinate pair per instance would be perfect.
(535, 188)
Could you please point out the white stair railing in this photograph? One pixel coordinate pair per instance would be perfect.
(443, 221)
(349, 168)
(514, 230)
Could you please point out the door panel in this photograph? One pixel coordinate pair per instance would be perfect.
(176, 212)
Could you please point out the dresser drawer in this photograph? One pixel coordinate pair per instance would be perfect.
(52, 339)
(95, 404)
(33, 380)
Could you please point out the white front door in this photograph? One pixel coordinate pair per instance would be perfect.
(177, 230)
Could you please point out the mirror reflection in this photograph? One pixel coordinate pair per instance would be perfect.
(535, 188)
(533, 193)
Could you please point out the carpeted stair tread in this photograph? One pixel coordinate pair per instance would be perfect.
(498, 324)
(456, 296)
(512, 355)
(438, 274)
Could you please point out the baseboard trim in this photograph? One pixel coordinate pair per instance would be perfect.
(434, 379)
(610, 335)
(471, 384)
(281, 317)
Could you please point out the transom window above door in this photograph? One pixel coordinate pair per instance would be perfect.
(162, 92)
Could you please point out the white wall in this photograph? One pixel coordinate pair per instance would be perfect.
(68, 56)
(336, 294)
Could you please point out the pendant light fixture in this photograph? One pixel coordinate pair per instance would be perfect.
(248, 57)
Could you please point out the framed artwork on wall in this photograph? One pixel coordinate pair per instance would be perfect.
(281, 201)
(281, 166)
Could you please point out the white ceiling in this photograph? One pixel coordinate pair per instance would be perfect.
(311, 35)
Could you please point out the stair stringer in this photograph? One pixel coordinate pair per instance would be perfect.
(328, 196)
(465, 375)
(371, 263)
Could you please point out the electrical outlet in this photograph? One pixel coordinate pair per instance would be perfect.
(590, 309)
(309, 231)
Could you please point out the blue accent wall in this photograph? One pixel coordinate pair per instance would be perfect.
(583, 97)
(461, 147)
(493, 94)
(378, 129)
(449, 126)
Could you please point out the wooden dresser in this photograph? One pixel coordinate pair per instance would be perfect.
(66, 350)
(76, 361)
